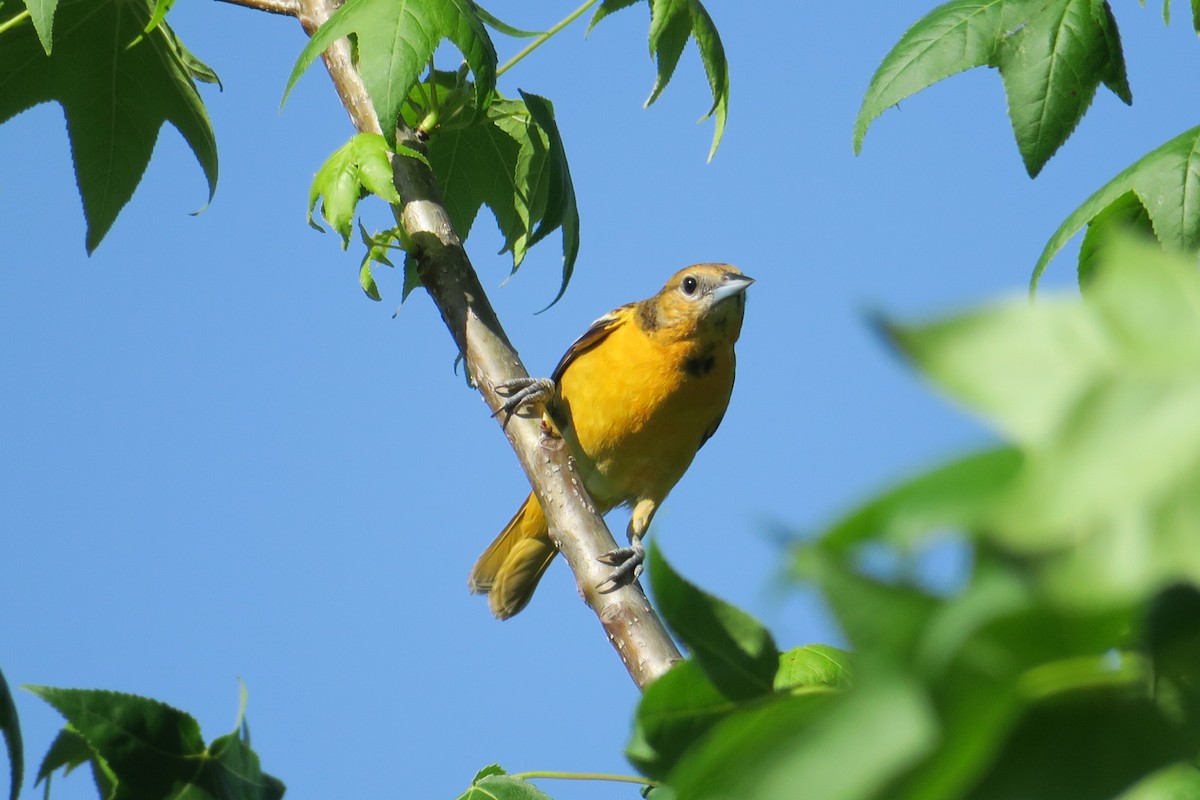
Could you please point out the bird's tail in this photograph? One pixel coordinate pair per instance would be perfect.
(509, 570)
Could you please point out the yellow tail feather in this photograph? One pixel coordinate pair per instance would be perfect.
(509, 570)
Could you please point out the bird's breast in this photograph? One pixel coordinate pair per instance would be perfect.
(635, 410)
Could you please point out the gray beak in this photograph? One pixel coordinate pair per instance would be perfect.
(731, 285)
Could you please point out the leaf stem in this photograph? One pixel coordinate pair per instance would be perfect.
(15, 21)
(584, 776)
(539, 41)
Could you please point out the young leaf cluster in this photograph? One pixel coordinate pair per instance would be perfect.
(1052, 55)
(485, 149)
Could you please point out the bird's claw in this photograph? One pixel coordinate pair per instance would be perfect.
(627, 565)
(526, 397)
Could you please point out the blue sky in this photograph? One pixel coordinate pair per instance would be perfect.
(219, 460)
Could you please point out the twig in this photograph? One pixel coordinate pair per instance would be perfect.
(631, 624)
(541, 40)
(288, 8)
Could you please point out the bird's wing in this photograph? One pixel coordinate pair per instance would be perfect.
(594, 335)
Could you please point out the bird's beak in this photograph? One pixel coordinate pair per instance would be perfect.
(731, 285)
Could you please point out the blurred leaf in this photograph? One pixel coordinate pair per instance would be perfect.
(10, 727)
(1083, 744)
(115, 97)
(735, 651)
(1165, 180)
(1173, 641)
(672, 23)
(876, 616)
(815, 746)
(814, 665)
(396, 40)
(515, 165)
(676, 710)
(949, 496)
(1177, 782)
(149, 746)
(1051, 56)
(361, 165)
(502, 787)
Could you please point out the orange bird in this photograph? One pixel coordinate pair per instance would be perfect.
(635, 398)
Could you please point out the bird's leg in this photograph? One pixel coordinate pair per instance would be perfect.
(627, 561)
(526, 397)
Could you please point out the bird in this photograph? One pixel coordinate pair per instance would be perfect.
(635, 397)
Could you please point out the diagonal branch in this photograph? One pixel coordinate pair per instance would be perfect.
(630, 623)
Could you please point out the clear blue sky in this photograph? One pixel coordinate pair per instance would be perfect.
(218, 459)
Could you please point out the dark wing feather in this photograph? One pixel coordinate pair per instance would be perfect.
(594, 335)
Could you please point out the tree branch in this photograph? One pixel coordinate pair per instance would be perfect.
(288, 8)
(630, 623)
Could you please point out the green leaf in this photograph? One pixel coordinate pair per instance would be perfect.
(149, 746)
(503, 787)
(672, 23)
(1051, 68)
(676, 710)
(561, 209)
(157, 17)
(361, 165)
(67, 751)
(735, 651)
(812, 666)
(490, 769)
(232, 770)
(609, 7)
(508, 30)
(1166, 180)
(814, 746)
(1051, 56)
(10, 728)
(1125, 214)
(41, 12)
(514, 164)
(115, 97)
(396, 39)
(952, 38)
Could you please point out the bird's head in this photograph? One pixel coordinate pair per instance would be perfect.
(705, 300)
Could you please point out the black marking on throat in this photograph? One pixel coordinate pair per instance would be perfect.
(699, 366)
(646, 317)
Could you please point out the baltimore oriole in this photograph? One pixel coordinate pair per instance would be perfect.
(635, 397)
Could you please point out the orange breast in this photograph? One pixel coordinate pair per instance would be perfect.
(638, 409)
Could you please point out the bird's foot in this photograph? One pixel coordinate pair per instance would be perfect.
(526, 397)
(627, 565)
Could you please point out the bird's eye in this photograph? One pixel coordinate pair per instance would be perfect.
(689, 285)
